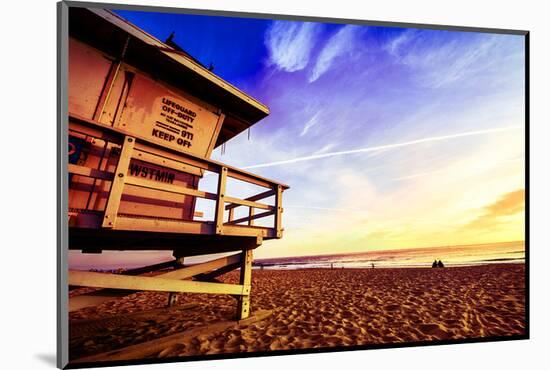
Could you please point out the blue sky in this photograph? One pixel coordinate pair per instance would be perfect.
(389, 137)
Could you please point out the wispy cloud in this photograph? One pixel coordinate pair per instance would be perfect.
(482, 167)
(445, 62)
(346, 210)
(309, 124)
(325, 148)
(419, 174)
(290, 44)
(338, 45)
(387, 146)
(395, 45)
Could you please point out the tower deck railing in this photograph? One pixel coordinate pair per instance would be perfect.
(130, 146)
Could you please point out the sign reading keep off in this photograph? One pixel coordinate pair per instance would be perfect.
(156, 113)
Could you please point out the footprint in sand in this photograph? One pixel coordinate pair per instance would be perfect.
(217, 345)
(171, 351)
(234, 342)
(434, 329)
(392, 307)
(265, 339)
(428, 328)
(332, 341)
(370, 300)
(275, 345)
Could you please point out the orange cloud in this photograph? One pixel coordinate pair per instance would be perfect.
(509, 204)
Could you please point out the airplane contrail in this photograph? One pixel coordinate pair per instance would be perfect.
(387, 146)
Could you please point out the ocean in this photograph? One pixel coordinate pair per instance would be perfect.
(462, 255)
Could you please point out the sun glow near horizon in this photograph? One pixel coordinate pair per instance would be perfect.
(473, 198)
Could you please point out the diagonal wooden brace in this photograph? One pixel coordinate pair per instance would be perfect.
(158, 284)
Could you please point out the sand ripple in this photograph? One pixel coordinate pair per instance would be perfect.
(326, 308)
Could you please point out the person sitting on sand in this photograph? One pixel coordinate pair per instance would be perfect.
(434, 265)
(440, 264)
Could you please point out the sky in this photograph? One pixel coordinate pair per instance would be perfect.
(389, 137)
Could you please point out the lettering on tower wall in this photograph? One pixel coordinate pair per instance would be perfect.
(175, 123)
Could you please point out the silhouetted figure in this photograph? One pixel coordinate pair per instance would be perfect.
(372, 264)
(440, 264)
(434, 265)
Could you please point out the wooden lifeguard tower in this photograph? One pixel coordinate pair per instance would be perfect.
(144, 118)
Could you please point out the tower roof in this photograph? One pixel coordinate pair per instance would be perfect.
(108, 32)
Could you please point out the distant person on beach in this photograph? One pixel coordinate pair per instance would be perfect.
(434, 265)
(372, 264)
(440, 264)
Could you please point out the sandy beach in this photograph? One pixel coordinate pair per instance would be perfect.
(317, 308)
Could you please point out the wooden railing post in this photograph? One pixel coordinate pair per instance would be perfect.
(173, 297)
(117, 185)
(278, 211)
(250, 216)
(220, 201)
(243, 307)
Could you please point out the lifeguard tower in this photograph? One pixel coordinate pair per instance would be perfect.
(144, 118)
